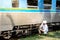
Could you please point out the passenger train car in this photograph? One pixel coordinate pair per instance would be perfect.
(26, 22)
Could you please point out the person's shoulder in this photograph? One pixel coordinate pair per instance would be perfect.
(46, 25)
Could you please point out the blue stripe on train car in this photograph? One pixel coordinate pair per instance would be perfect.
(28, 11)
(57, 10)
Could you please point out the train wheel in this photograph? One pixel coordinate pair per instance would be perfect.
(7, 35)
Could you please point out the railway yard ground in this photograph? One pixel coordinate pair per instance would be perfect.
(54, 35)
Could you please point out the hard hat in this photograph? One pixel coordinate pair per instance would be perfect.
(44, 21)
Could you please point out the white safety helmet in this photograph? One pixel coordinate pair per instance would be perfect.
(44, 21)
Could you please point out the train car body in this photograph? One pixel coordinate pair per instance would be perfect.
(25, 22)
(18, 22)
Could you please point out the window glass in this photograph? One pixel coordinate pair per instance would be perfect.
(58, 5)
(32, 3)
(47, 4)
(15, 3)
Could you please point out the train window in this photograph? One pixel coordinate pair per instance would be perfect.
(58, 5)
(47, 1)
(47, 4)
(15, 3)
(32, 3)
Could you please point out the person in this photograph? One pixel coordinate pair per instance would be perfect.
(43, 28)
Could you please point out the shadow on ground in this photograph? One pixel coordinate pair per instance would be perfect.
(53, 34)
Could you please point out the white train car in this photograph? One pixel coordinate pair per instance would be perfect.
(23, 22)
